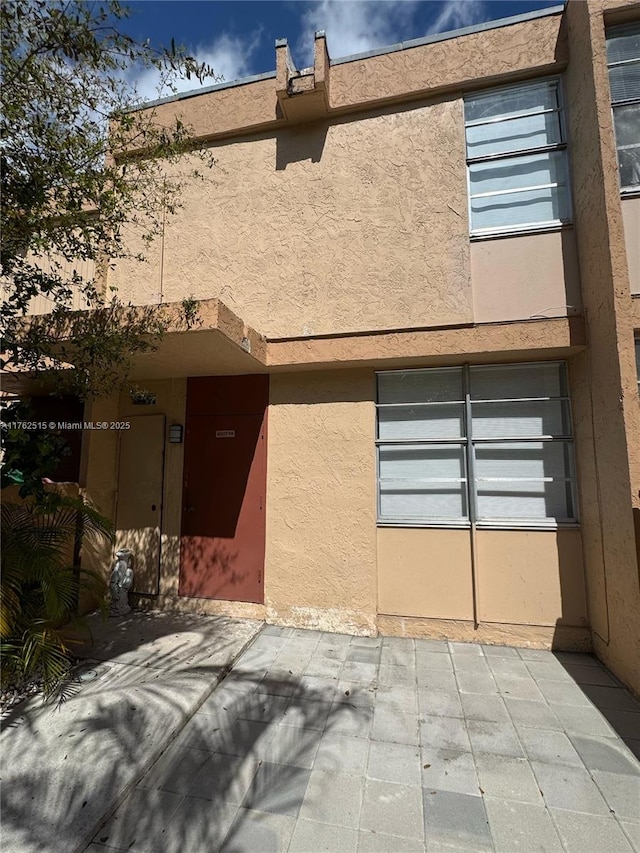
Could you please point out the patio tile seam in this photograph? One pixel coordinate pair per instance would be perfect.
(156, 753)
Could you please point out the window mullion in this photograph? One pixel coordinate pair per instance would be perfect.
(469, 461)
(514, 154)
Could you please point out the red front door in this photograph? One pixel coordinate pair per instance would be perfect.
(223, 515)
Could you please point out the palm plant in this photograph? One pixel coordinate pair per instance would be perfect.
(40, 585)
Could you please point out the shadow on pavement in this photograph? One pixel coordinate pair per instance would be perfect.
(612, 699)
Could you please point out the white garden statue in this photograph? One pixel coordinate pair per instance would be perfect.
(121, 582)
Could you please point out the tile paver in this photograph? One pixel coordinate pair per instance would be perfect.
(386, 745)
(449, 770)
(521, 827)
(586, 833)
(393, 809)
(253, 830)
(394, 762)
(333, 798)
(322, 838)
(456, 820)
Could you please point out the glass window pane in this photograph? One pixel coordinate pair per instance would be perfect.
(533, 460)
(515, 381)
(627, 122)
(533, 500)
(421, 462)
(627, 126)
(540, 417)
(420, 386)
(513, 135)
(624, 81)
(407, 422)
(524, 208)
(421, 502)
(512, 173)
(623, 42)
(520, 99)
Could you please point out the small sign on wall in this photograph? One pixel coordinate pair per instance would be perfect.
(225, 433)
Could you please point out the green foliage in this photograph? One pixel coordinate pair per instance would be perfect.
(80, 165)
(39, 588)
(28, 456)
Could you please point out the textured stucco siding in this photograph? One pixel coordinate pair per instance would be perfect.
(326, 228)
(321, 501)
(467, 60)
(610, 422)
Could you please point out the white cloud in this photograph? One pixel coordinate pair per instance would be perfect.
(229, 57)
(455, 14)
(353, 26)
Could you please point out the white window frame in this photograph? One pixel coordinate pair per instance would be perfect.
(633, 190)
(469, 443)
(562, 146)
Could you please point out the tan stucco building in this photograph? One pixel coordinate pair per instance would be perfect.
(410, 405)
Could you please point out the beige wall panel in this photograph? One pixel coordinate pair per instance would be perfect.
(531, 577)
(348, 226)
(424, 572)
(519, 278)
(321, 501)
(631, 217)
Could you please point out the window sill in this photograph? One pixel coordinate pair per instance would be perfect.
(521, 232)
(630, 193)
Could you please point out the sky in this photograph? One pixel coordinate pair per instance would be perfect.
(237, 37)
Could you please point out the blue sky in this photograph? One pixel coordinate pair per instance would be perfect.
(237, 38)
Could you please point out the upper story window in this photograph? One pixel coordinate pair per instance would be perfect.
(517, 159)
(623, 57)
(491, 444)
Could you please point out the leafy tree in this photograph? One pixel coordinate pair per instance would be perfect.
(40, 585)
(79, 163)
(29, 457)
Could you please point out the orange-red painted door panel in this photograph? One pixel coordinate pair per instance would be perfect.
(223, 513)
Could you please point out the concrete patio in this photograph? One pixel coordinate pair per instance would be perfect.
(322, 742)
(64, 767)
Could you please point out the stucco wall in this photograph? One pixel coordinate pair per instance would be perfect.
(477, 58)
(631, 218)
(607, 374)
(321, 501)
(530, 276)
(330, 227)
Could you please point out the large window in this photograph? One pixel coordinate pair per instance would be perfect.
(517, 158)
(491, 444)
(623, 56)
